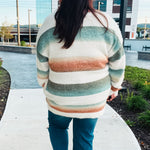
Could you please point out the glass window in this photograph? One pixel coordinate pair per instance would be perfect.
(129, 8)
(116, 6)
(127, 35)
(128, 21)
(103, 4)
(116, 2)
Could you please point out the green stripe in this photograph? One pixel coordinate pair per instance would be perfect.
(93, 33)
(116, 43)
(43, 73)
(69, 90)
(41, 58)
(117, 55)
(45, 40)
(90, 33)
(116, 73)
(77, 106)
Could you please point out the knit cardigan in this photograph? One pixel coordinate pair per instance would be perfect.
(77, 80)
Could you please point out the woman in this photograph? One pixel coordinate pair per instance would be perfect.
(80, 63)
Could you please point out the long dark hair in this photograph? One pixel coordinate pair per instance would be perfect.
(69, 18)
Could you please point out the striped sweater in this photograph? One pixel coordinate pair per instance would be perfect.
(77, 81)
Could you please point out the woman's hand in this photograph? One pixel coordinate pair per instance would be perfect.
(43, 85)
(111, 97)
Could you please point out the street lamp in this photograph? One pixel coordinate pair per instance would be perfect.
(29, 26)
(18, 26)
(99, 5)
(122, 22)
(145, 27)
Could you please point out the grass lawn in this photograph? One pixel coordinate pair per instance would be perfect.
(135, 74)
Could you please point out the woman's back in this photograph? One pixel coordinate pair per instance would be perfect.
(78, 79)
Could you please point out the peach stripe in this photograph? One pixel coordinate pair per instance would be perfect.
(40, 77)
(114, 89)
(77, 64)
(85, 110)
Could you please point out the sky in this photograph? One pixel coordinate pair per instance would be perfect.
(9, 13)
(144, 11)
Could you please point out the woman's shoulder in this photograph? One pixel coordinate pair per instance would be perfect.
(104, 17)
(48, 24)
(111, 22)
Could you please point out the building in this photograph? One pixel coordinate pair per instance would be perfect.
(44, 8)
(112, 7)
(24, 33)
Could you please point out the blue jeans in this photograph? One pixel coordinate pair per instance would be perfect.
(83, 130)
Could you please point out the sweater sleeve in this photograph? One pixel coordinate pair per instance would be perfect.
(42, 47)
(116, 60)
(42, 66)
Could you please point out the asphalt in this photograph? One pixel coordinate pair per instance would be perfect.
(24, 125)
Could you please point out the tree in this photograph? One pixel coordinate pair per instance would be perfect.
(140, 32)
(5, 31)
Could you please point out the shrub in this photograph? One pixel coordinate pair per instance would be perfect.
(144, 119)
(137, 103)
(138, 85)
(130, 123)
(129, 96)
(121, 96)
(23, 43)
(146, 91)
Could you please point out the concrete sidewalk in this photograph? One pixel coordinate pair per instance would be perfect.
(24, 126)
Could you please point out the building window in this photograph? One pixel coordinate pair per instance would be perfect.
(102, 6)
(128, 21)
(127, 35)
(116, 6)
(116, 2)
(129, 7)
(116, 9)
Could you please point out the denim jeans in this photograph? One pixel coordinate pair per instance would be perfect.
(83, 130)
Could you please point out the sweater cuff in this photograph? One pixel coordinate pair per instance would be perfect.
(113, 92)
